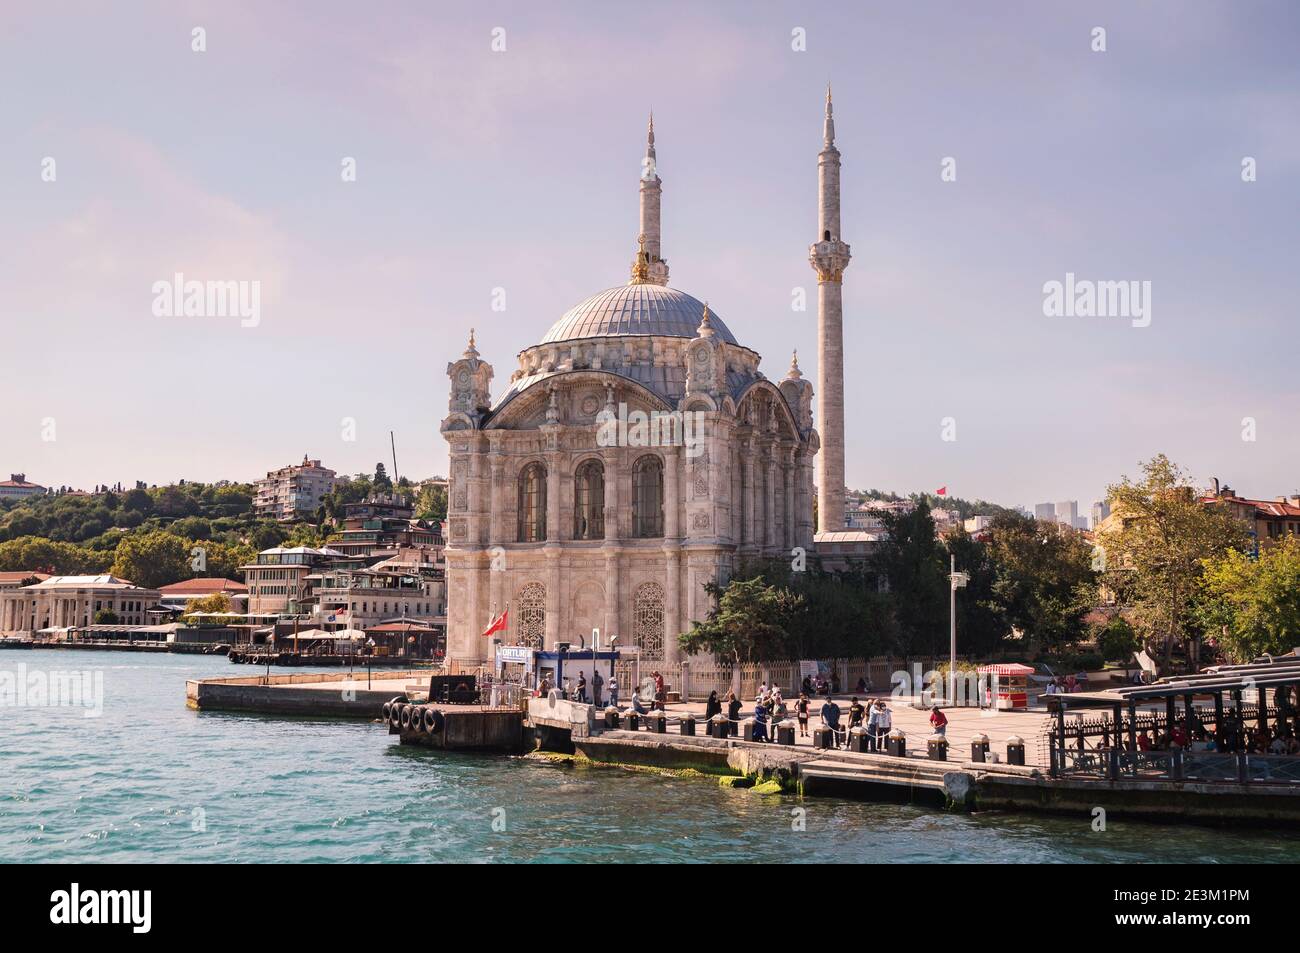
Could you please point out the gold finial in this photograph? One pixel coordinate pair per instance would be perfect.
(641, 266)
(706, 325)
(794, 366)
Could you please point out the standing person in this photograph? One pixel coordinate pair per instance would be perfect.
(856, 711)
(831, 719)
(801, 714)
(613, 691)
(713, 706)
(661, 694)
(884, 722)
(939, 721)
(733, 707)
(597, 687)
(873, 725)
(582, 687)
(760, 722)
(779, 710)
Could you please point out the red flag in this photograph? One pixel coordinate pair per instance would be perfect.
(942, 491)
(498, 624)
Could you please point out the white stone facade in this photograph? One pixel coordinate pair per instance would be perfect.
(574, 524)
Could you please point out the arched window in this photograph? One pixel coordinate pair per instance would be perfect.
(648, 497)
(530, 627)
(589, 501)
(648, 620)
(532, 504)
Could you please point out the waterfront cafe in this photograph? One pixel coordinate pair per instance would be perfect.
(1231, 723)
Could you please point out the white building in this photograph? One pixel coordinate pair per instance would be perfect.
(17, 487)
(64, 601)
(569, 509)
(294, 491)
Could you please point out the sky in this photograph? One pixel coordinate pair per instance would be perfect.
(479, 169)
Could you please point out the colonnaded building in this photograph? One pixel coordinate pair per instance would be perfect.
(569, 509)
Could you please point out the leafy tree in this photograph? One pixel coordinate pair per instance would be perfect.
(747, 623)
(1156, 557)
(911, 564)
(1116, 640)
(1044, 582)
(382, 482)
(44, 555)
(1253, 604)
(217, 602)
(106, 617)
(981, 617)
(431, 503)
(152, 559)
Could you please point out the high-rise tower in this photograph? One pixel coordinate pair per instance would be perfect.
(829, 257)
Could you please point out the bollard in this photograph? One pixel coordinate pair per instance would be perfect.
(1016, 750)
(1112, 764)
(858, 740)
(658, 722)
(688, 725)
(785, 732)
(823, 738)
(747, 729)
(896, 743)
(718, 726)
(979, 748)
(936, 748)
(1176, 765)
(611, 717)
(630, 720)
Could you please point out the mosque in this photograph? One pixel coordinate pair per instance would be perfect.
(573, 523)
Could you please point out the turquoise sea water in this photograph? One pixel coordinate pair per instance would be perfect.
(151, 781)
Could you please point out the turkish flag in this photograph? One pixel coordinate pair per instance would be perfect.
(498, 624)
(942, 491)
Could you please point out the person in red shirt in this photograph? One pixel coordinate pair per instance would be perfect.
(939, 721)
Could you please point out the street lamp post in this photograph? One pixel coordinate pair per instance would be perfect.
(956, 580)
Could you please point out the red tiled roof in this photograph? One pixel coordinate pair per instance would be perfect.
(1267, 507)
(202, 586)
(20, 576)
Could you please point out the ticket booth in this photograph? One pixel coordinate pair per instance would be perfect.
(1007, 685)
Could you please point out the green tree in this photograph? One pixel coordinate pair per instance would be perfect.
(981, 618)
(152, 559)
(1253, 604)
(431, 504)
(106, 617)
(747, 623)
(1155, 558)
(1044, 581)
(912, 566)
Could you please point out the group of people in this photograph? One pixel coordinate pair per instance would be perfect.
(874, 717)
(1065, 685)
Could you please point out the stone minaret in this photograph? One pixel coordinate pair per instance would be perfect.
(649, 266)
(829, 257)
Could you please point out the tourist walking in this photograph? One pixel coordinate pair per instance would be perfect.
(661, 693)
(831, 719)
(582, 688)
(801, 714)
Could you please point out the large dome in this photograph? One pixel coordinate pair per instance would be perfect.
(635, 309)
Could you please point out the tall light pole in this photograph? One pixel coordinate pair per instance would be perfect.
(956, 580)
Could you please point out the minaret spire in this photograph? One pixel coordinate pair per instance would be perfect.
(829, 257)
(649, 267)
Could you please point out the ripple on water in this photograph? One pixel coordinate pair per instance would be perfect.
(152, 781)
